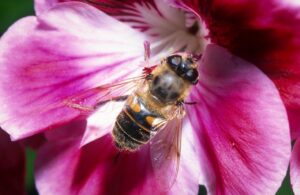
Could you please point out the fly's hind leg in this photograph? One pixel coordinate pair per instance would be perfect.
(116, 99)
(82, 108)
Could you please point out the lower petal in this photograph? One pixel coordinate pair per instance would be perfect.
(97, 168)
(239, 118)
(71, 130)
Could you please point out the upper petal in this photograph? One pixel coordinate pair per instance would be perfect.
(266, 33)
(295, 168)
(164, 26)
(72, 47)
(12, 166)
(239, 118)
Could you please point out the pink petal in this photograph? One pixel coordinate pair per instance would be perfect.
(71, 48)
(164, 26)
(140, 14)
(295, 168)
(241, 124)
(71, 130)
(110, 6)
(42, 6)
(266, 33)
(189, 5)
(63, 168)
(12, 166)
(101, 122)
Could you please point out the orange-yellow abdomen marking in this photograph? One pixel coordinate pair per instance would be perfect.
(135, 107)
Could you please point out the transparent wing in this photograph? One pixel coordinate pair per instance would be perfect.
(165, 148)
(89, 100)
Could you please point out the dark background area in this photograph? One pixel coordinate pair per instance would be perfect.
(11, 11)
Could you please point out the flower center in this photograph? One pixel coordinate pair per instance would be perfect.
(178, 31)
(168, 29)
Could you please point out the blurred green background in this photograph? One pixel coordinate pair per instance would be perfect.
(12, 10)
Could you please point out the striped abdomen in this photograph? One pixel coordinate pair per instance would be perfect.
(135, 124)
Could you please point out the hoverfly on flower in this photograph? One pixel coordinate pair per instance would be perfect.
(82, 57)
(154, 107)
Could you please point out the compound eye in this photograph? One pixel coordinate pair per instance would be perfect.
(185, 66)
(174, 61)
(192, 76)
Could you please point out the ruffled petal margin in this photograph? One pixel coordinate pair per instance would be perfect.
(12, 166)
(71, 48)
(242, 126)
(265, 33)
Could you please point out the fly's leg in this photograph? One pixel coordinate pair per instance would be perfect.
(90, 109)
(116, 99)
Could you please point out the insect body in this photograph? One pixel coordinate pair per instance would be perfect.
(156, 101)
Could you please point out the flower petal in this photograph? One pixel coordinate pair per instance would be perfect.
(12, 166)
(295, 168)
(164, 26)
(239, 119)
(101, 122)
(42, 6)
(266, 33)
(152, 15)
(99, 168)
(71, 130)
(189, 5)
(71, 48)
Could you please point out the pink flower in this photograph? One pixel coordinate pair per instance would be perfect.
(228, 136)
(12, 166)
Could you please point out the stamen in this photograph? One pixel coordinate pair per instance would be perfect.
(147, 52)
